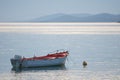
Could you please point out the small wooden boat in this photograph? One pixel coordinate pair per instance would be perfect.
(56, 58)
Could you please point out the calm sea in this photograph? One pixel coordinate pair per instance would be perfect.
(96, 43)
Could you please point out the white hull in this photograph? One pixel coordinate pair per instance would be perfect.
(37, 63)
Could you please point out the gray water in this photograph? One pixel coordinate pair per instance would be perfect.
(101, 51)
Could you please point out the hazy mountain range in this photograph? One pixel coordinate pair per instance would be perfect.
(103, 17)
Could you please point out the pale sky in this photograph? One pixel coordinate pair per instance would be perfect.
(20, 10)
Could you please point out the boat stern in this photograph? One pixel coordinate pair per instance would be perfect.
(16, 61)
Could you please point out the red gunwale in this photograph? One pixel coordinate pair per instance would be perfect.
(49, 56)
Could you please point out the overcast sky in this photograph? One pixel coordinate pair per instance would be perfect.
(19, 10)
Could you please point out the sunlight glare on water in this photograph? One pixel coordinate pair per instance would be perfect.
(61, 28)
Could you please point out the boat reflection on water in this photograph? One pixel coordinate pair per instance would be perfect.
(60, 67)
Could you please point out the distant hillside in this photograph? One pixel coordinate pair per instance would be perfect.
(103, 17)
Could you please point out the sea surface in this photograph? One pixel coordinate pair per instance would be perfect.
(96, 43)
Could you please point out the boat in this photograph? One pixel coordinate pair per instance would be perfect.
(52, 59)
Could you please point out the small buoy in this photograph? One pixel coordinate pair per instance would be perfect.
(84, 63)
